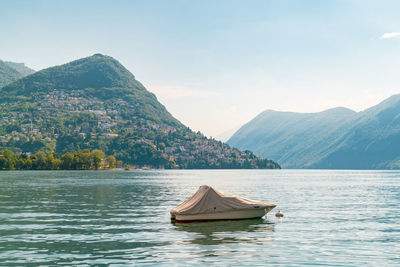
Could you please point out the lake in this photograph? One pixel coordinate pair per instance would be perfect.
(333, 218)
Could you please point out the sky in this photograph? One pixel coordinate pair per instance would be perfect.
(215, 65)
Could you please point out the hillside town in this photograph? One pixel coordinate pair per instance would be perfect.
(61, 112)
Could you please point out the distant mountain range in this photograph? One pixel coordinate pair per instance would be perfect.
(96, 103)
(11, 71)
(337, 138)
(224, 136)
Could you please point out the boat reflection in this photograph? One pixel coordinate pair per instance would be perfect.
(220, 232)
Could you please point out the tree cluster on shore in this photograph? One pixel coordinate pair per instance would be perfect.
(79, 160)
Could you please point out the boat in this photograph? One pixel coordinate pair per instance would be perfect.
(209, 204)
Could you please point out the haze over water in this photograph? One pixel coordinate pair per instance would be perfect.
(336, 218)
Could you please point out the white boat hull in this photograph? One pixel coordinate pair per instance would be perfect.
(226, 215)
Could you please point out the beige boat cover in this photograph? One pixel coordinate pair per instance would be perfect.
(209, 200)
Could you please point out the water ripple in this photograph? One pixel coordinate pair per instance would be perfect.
(332, 218)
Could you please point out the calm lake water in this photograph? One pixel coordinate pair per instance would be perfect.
(336, 218)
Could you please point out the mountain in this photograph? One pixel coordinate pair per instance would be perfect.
(295, 139)
(96, 103)
(224, 136)
(10, 72)
(338, 138)
(372, 140)
(20, 67)
(7, 74)
(98, 77)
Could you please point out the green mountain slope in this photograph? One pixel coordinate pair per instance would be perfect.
(336, 138)
(10, 72)
(99, 77)
(96, 103)
(20, 67)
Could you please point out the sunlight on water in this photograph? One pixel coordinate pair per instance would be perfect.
(337, 218)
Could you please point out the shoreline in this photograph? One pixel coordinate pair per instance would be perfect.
(145, 169)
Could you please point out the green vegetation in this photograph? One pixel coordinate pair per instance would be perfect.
(7, 74)
(10, 72)
(111, 162)
(95, 103)
(80, 160)
(100, 77)
(20, 67)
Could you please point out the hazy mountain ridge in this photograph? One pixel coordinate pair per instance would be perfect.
(335, 138)
(96, 103)
(20, 67)
(11, 72)
(372, 142)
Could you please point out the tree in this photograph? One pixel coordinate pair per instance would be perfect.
(96, 157)
(82, 160)
(57, 164)
(67, 161)
(119, 163)
(111, 162)
(39, 161)
(8, 160)
(79, 160)
(51, 163)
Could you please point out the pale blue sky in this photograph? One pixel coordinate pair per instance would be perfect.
(217, 64)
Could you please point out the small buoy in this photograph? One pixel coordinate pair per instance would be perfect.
(279, 214)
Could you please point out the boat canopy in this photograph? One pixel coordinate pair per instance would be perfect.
(210, 200)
